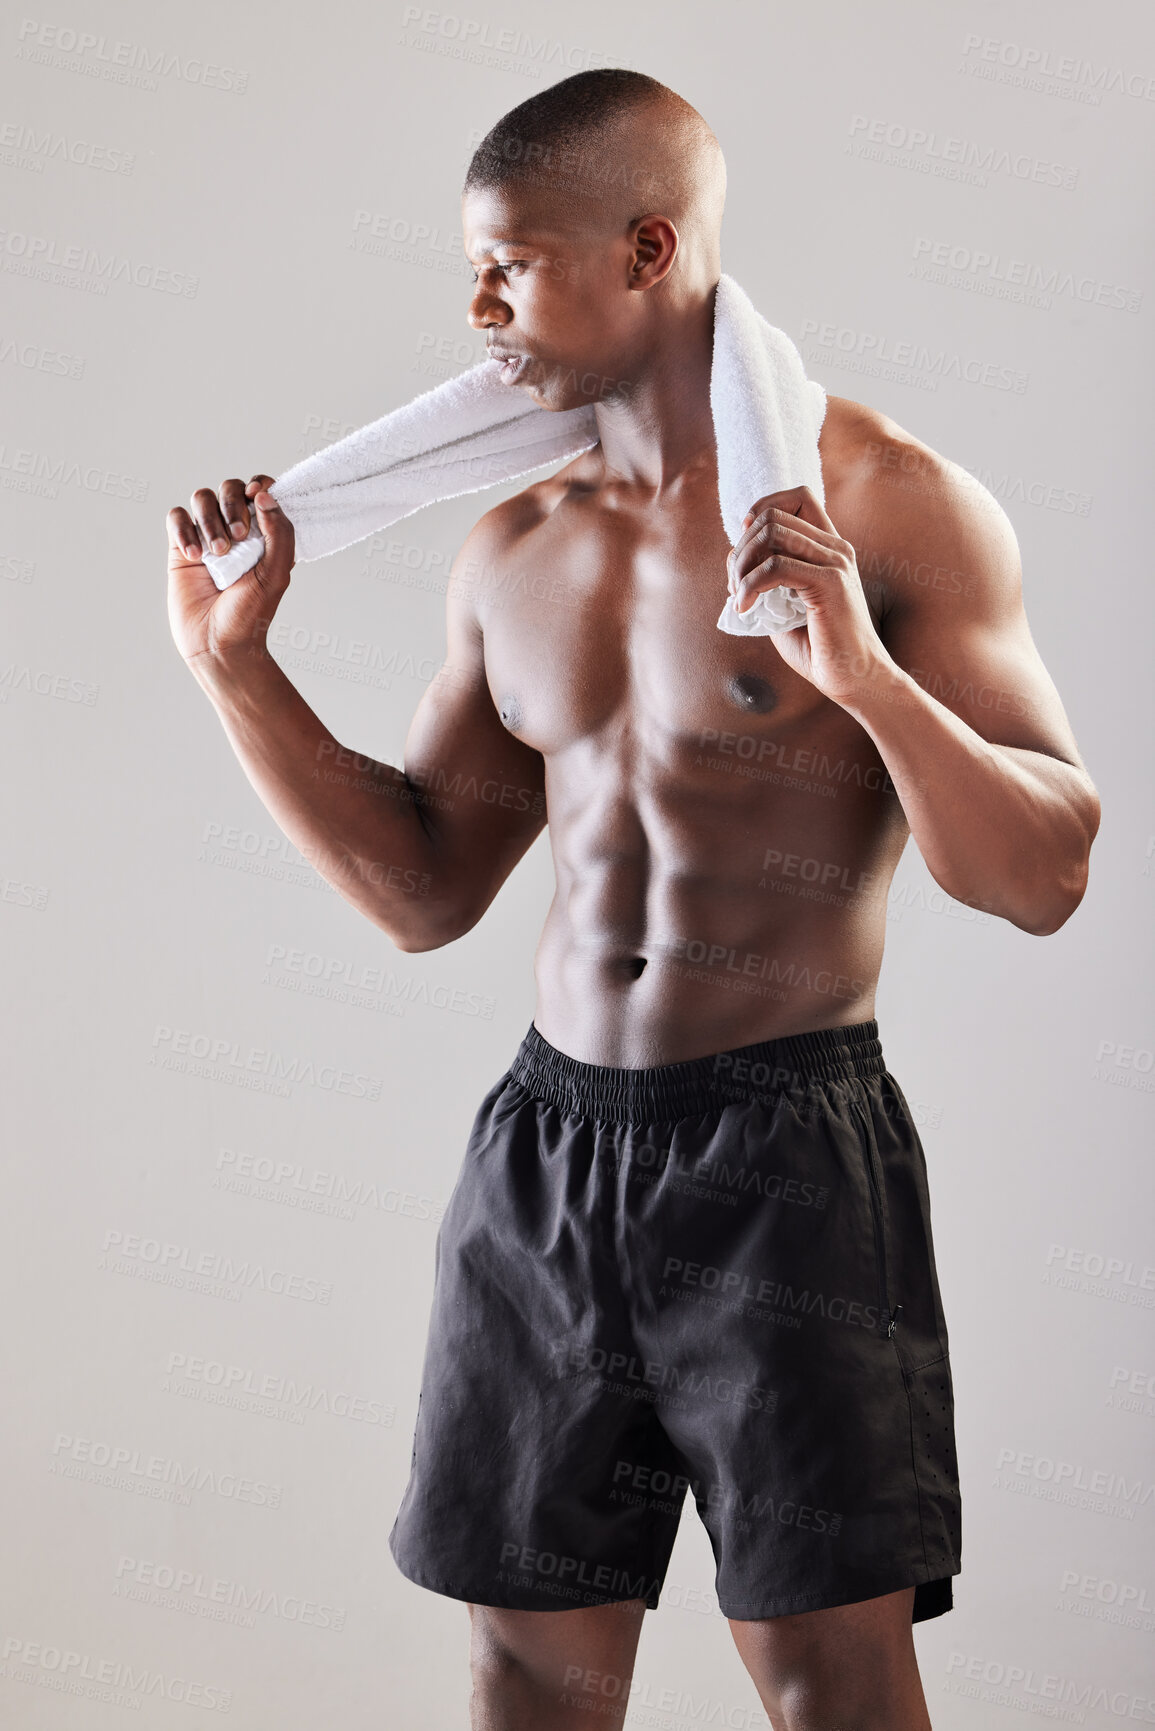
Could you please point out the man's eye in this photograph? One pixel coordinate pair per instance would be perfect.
(501, 265)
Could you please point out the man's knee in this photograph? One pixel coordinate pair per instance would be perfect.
(853, 1666)
(561, 1659)
(815, 1697)
(497, 1641)
(502, 1671)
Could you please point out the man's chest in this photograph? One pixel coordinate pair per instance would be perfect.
(600, 622)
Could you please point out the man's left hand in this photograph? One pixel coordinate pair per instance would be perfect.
(789, 542)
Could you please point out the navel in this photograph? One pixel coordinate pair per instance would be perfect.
(752, 693)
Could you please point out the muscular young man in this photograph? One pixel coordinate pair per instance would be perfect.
(689, 1249)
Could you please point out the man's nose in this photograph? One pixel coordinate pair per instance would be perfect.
(485, 310)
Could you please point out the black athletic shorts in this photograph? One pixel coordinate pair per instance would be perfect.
(714, 1277)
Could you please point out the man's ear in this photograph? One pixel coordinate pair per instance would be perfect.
(655, 247)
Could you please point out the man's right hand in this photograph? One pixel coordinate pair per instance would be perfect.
(226, 624)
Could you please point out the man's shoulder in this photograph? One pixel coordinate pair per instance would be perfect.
(928, 534)
(860, 445)
(879, 473)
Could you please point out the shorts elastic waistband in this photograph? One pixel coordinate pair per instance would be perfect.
(666, 1091)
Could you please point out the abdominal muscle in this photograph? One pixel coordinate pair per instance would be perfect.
(687, 921)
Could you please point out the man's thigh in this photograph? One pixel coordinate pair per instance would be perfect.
(851, 1666)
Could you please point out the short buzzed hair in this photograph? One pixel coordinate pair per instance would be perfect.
(557, 127)
(604, 149)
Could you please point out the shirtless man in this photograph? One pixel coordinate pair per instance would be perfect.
(689, 1248)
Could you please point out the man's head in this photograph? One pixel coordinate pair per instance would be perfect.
(592, 215)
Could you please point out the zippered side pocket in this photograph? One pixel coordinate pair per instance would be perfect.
(888, 1318)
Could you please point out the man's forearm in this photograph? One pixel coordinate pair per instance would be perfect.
(358, 823)
(1000, 828)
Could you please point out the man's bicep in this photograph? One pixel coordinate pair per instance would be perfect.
(956, 620)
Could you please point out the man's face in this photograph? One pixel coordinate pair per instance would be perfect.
(551, 294)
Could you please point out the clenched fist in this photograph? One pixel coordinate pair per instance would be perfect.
(230, 623)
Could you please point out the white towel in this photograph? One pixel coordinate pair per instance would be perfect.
(474, 431)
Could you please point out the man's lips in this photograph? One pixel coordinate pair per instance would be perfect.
(511, 363)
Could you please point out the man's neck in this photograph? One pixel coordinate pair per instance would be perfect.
(663, 427)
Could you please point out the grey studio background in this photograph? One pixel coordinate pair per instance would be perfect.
(230, 234)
